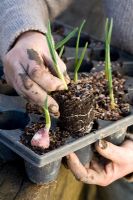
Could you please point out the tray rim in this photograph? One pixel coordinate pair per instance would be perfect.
(41, 160)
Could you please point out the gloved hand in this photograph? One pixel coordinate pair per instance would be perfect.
(28, 67)
(121, 164)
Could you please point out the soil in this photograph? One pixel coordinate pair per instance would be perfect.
(57, 137)
(33, 108)
(76, 116)
(102, 108)
(81, 104)
(76, 106)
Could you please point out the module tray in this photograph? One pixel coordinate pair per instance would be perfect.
(13, 116)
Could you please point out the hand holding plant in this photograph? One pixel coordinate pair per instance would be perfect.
(28, 67)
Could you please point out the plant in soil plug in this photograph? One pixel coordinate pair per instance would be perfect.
(78, 61)
(108, 70)
(41, 138)
(53, 55)
(77, 103)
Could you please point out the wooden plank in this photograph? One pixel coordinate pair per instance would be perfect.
(14, 185)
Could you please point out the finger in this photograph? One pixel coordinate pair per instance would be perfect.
(96, 176)
(39, 72)
(30, 90)
(79, 171)
(43, 77)
(48, 60)
(109, 151)
(76, 167)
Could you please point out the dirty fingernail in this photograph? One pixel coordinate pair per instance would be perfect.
(54, 110)
(102, 144)
(55, 115)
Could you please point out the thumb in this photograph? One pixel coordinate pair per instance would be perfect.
(62, 66)
(109, 150)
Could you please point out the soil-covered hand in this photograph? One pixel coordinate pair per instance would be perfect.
(120, 164)
(28, 67)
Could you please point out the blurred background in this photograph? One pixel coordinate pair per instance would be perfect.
(91, 10)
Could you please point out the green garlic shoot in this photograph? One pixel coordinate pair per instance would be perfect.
(108, 70)
(47, 115)
(61, 51)
(53, 55)
(77, 66)
(78, 61)
(66, 39)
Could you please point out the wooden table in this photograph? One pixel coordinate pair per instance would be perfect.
(14, 185)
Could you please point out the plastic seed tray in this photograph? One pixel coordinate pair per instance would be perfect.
(13, 117)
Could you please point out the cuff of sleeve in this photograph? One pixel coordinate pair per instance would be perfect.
(19, 19)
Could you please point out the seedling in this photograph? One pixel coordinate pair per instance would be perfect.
(66, 39)
(47, 115)
(53, 55)
(41, 137)
(61, 51)
(108, 70)
(78, 61)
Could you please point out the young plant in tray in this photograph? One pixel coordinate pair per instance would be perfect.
(108, 70)
(41, 138)
(78, 61)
